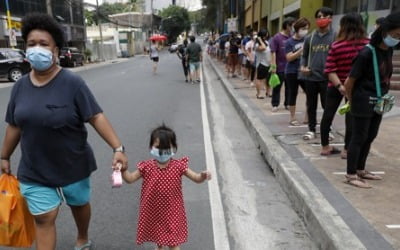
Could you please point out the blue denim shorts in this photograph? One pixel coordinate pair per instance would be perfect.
(42, 199)
(194, 66)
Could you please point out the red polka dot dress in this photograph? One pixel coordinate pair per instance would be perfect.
(162, 217)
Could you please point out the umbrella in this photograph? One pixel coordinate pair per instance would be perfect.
(158, 37)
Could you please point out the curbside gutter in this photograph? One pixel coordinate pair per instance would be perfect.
(326, 227)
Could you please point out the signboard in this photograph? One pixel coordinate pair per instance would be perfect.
(13, 37)
(232, 24)
(15, 26)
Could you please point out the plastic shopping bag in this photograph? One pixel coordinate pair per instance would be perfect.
(16, 223)
(274, 80)
(344, 108)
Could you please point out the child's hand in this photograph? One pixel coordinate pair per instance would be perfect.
(205, 175)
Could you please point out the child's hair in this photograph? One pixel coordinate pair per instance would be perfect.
(166, 136)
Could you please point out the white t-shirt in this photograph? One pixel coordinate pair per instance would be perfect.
(249, 46)
(153, 51)
(263, 57)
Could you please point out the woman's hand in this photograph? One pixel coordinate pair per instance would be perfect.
(5, 166)
(342, 90)
(120, 161)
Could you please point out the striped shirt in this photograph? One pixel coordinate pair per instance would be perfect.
(340, 57)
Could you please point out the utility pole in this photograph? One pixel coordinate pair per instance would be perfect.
(11, 32)
(48, 8)
(101, 33)
(151, 16)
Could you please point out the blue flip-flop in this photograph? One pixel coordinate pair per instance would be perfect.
(88, 246)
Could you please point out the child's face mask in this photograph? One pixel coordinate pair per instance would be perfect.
(161, 156)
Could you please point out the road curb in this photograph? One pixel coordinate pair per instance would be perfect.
(326, 227)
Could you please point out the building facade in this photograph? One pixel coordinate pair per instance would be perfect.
(69, 14)
(270, 13)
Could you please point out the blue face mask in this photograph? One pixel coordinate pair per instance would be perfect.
(40, 59)
(165, 155)
(390, 41)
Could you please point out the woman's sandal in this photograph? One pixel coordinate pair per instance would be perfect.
(356, 181)
(368, 175)
(88, 246)
(259, 97)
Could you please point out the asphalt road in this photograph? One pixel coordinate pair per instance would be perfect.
(241, 208)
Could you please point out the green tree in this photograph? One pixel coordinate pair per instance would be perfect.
(198, 17)
(211, 18)
(175, 20)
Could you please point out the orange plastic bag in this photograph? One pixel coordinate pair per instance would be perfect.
(16, 223)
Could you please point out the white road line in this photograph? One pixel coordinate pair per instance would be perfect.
(393, 226)
(373, 172)
(330, 144)
(221, 241)
(5, 85)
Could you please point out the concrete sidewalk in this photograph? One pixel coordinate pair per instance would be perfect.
(338, 216)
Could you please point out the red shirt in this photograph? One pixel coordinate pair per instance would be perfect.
(340, 57)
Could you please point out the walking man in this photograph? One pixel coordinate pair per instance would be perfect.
(278, 61)
(194, 57)
(182, 55)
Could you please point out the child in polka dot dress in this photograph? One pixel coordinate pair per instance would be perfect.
(162, 217)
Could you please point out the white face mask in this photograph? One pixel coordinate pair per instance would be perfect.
(303, 33)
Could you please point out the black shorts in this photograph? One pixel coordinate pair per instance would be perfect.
(155, 59)
(250, 65)
(262, 72)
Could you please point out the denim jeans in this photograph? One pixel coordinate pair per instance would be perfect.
(312, 91)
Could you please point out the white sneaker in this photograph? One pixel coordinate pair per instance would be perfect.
(309, 136)
(274, 109)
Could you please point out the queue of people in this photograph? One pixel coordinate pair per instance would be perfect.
(330, 66)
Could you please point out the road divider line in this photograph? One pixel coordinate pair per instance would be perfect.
(221, 241)
(393, 226)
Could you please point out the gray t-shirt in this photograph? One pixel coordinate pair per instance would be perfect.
(193, 52)
(54, 147)
(316, 54)
(263, 57)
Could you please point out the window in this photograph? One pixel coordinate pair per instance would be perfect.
(372, 5)
(2, 56)
(14, 54)
(350, 6)
(396, 6)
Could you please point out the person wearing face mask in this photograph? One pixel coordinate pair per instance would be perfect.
(350, 40)
(263, 61)
(378, 23)
(251, 58)
(162, 216)
(278, 61)
(46, 116)
(361, 92)
(312, 65)
(294, 49)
